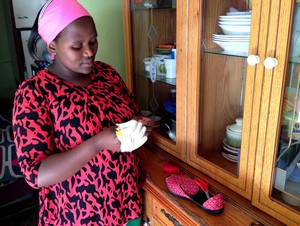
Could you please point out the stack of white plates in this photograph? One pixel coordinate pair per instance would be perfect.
(232, 43)
(236, 29)
(230, 153)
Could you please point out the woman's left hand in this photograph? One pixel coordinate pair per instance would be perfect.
(146, 121)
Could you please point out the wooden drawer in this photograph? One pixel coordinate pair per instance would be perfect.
(163, 216)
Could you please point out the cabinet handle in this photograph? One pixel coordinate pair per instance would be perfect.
(253, 60)
(270, 62)
(170, 218)
(255, 223)
(146, 222)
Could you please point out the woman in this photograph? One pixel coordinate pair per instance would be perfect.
(64, 125)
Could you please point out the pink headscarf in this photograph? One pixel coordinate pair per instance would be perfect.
(56, 15)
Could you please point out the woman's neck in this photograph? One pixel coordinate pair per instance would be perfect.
(76, 79)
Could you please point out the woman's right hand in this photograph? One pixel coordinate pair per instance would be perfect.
(107, 139)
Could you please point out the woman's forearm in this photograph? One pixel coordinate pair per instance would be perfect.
(59, 167)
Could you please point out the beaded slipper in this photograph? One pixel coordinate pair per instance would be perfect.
(195, 191)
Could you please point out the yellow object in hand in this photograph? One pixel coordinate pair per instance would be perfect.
(119, 134)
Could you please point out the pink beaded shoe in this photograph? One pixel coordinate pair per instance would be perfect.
(196, 191)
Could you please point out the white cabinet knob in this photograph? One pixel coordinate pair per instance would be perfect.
(270, 62)
(253, 60)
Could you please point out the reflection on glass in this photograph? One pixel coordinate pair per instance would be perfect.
(287, 168)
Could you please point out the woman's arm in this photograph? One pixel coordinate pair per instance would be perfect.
(59, 167)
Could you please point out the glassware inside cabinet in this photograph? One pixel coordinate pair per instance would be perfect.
(153, 25)
(225, 42)
(287, 167)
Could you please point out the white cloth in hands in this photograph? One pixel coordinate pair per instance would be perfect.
(131, 134)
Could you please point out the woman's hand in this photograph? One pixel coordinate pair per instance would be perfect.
(147, 122)
(107, 139)
(131, 134)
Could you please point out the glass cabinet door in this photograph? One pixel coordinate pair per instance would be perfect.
(287, 167)
(152, 68)
(279, 149)
(221, 112)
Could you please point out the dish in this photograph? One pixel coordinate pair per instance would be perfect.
(229, 158)
(233, 46)
(230, 38)
(156, 120)
(248, 20)
(163, 51)
(235, 30)
(239, 13)
(235, 153)
(235, 23)
(146, 113)
(235, 17)
(225, 143)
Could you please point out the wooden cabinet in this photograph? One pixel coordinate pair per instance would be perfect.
(214, 87)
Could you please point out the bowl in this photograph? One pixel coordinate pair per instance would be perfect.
(156, 120)
(235, 30)
(146, 113)
(239, 13)
(233, 139)
(234, 133)
(235, 23)
(233, 46)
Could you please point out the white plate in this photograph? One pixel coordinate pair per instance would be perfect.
(229, 155)
(233, 46)
(230, 147)
(235, 17)
(228, 39)
(239, 13)
(230, 19)
(231, 36)
(229, 158)
(236, 153)
(235, 23)
(235, 30)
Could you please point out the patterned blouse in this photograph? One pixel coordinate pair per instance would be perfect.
(52, 115)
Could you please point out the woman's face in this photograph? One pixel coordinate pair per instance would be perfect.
(75, 47)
